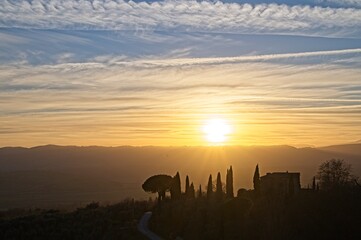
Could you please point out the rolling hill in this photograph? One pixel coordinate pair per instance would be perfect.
(55, 176)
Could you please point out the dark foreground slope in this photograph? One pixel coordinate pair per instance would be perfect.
(118, 221)
(55, 176)
(308, 215)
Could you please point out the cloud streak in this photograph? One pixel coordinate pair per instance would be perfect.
(54, 46)
(348, 57)
(108, 103)
(240, 59)
(177, 66)
(181, 15)
(341, 3)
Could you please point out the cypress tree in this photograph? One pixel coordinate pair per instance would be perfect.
(210, 187)
(229, 183)
(256, 181)
(314, 184)
(219, 191)
(176, 191)
(187, 186)
(200, 191)
(192, 192)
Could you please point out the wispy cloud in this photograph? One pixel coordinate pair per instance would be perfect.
(256, 58)
(55, 46)
(177, 66)
(341, 3)
(181, 15)
(112, 103)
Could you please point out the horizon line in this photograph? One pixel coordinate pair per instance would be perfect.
(301, 146)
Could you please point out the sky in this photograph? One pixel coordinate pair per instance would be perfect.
(114, 72)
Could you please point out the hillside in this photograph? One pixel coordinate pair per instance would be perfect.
(118, 221)
(55, 176)
(352, 149)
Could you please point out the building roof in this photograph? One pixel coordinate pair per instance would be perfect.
(281, 174)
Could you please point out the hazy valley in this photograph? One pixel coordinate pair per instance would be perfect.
(63, 176)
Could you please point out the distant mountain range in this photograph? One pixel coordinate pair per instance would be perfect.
(50, 176)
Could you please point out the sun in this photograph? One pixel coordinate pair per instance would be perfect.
(216, 130)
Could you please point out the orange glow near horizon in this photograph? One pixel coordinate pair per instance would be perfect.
(260, 103)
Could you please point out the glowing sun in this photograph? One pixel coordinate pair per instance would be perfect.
(216, 130)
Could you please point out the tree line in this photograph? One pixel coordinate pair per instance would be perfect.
(327, 210)
(165, 183)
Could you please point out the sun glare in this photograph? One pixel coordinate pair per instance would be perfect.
(216, 130)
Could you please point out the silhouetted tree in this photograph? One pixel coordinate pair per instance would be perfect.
(314, 184)
(175, 190)
(219, 191)
(158, 184)
(256, 181)
(334, 173)
(209, 187)
(192, 192)
(229, 183)
(187, 186)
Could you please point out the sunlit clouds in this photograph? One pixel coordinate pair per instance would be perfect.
(114, 72)
(182, 15)
(115, 104)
